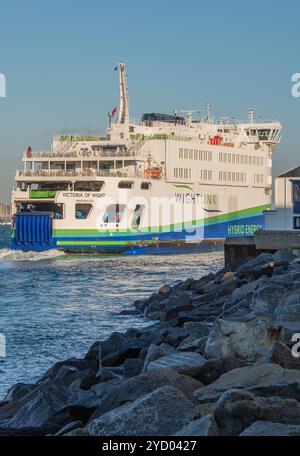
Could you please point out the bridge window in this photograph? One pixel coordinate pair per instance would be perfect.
(264, 134)
(88, 186)
(114, 213)
(82, 210)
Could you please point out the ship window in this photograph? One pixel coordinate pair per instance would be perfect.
(137, 216)
(23, 186)
(296, 192)
(57, 209)
(263, 135)
(296, 223)
(82, 210)
(88, 186)
(114, 213)
(125, 184)
(49, 186)
(145, 185)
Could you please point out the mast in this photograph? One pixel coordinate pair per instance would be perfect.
(123, 117)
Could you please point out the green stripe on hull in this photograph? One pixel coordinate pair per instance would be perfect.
(191, 224)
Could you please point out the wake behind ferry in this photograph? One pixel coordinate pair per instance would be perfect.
(167, 183)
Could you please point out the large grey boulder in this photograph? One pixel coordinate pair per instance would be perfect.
(186, 363)
(279, 353)
(160, 413)
(157, 351)
(145, 383)
(197, 335)
(247, 341)
(289, 307)
(41, 405)
(245, 378)
(268, 428)
(204, 426)
(236, 410)
(258, 266)
(265, 299)
(18, 391)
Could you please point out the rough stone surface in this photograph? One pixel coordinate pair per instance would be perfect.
(145, 383)
(244, 340)
(205, 426)
(236, 410)
(279, 353)
(268, 428)
(160, 413)
(183, 363)
(289, 307)
(247, 377)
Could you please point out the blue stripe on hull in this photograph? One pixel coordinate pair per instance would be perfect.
(171, 242)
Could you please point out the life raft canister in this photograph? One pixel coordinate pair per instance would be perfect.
(153, 172)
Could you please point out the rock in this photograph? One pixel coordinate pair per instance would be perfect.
(160, 413)
(289, 307)
(205, 426)
(283, 256)
(214, 368)
(243, 340)
(108, 373)
(78, 432)
(133, 366)
(186, 363)
(69, 427)
(165, 289)
(135, 387)
(279, 353)
(228, 275)
(117, 348)
(41, 405)
(172, 335)
(268, 428)
(245, 378)
(246, 291)
(288, 329)
(18, 391)
(236, 410)
(262, 265)
(154, 352)
(265, 299)
(68, 367)
(197, 335)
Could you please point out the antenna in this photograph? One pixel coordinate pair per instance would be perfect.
(208, 112)
(123, 117)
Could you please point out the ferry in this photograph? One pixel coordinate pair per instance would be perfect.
(167, 183)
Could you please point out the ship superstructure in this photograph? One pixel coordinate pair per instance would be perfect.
(167, 181)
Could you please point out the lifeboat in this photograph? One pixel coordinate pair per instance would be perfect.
(152, 172)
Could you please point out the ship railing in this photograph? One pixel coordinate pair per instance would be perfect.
(79, 138)
(85, 173)
(160, 136)
(82, 154)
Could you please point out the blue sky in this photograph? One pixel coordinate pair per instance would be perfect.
(58, 59)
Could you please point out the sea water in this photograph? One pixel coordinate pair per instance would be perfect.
(54, 306)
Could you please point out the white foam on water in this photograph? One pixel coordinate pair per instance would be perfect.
(20, 255)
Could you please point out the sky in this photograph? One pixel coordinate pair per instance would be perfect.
(58, 58)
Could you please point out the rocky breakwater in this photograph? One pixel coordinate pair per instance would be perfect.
(217, 361)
